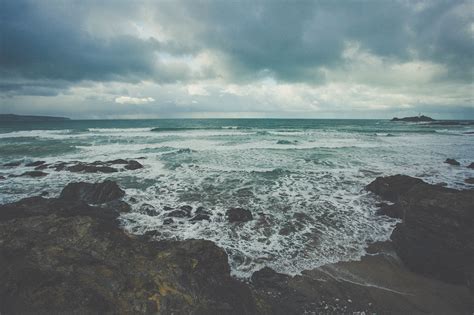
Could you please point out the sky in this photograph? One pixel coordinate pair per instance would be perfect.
(237, 59)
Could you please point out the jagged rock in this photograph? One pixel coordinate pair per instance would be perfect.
(471, 165)
(392, 187)
(238, 215)
(12, 164)
(35, 163)
(97, 193)
(452, 162)
(436, 237)
(133, 165)
(59, 256)
(90, 168)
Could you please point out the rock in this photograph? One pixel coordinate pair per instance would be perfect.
(168, 221)
(285, 142)
(2, 177)
(117, 161)
(12, 164)
(452, 162)
(34, 174)
(238, 215)
(178, 214)
(133, 165)
(90, 168)
(201, 217)
(392, 187)
(187, 209)
(117, 205)
(35, 163)
(59, 256)
(41, 167)
(436, 237)
(421, 118)
(97, 193)
(393, 211)
(44, 193)
(148, 210)
(471, 165)
(469, 180)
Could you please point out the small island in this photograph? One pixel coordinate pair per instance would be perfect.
(421, 118)
(29, 118)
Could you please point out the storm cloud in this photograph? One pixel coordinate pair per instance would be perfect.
(274, 58)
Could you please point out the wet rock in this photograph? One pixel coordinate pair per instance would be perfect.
(436, 237)
(59, 256)
(90, 168)
(168, 221)
(452, 162)
(469, 180)
(35, 163)
(187, 209)
(148, 210)
(117, 205)
(201, 217)
(133, 165)
(12, 164)
(391, 188)
(41, 167)
(238, 215)
(44, 193)
(117, 161)
(471, 165)
(59, 166)
(34, 174)
(393, 211)
(286, 142)
(167, 208)
(97, 193)
(178, 214)
(2, 177)
(132, 200)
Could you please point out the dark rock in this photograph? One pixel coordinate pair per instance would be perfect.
(36, 163)
(285, 142)
(132, 200)
(117, 205)
(201, 217)
(187, 209)
(167, 208)
(59, 166)
(436, 237)
(152, 233)
(13, 164)
(89, 168)
(443, 184)
(2, 177)
(133, 165)
(41, 167)
(34, 174)
(471, 165)
(392, 187)
(44, 193)
(62, 257)
(238, 215)
(97, 193)
(452, 162)
(168, 221)
(148, 210)
(178, 214)
(469, 180)
(421, 118)
(117, 161)
(393, 211)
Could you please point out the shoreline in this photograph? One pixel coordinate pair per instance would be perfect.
(69, 246)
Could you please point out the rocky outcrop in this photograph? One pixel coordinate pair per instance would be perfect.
(421, 118)
(65, 256)
(452, 162)
(235, 215)
(436, 237)
(97, 193)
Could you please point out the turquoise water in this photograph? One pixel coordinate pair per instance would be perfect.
(302, 180)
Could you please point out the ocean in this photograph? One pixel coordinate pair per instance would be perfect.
(302, 179)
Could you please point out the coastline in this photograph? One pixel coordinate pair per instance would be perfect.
(69, 254)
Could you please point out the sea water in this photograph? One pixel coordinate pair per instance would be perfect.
(303, 180)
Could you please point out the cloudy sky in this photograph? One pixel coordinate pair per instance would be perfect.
(311, 59)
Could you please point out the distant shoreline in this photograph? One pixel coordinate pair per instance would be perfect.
(30, 118)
